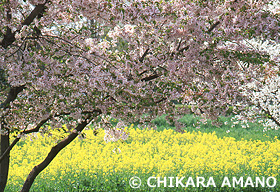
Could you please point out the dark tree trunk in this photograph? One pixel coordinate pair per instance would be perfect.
(4, 165)
(9, 38)
(54, 151)
(5, 141)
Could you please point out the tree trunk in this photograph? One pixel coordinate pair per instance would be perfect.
(54, 151)
(4, 165)
(5, 141)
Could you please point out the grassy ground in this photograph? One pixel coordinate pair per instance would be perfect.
(254, 132)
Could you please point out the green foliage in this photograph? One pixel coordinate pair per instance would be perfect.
(249, 57)
(191, 123)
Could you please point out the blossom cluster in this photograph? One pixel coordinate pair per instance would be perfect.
(147, 54)
(265, 97)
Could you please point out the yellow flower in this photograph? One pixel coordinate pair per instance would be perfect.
(148, 151)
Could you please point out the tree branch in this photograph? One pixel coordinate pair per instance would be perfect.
(38, 10)
(213, 26)
(141, 59)
(68, 52)
(179, 44)
(73, 45)
(151, 77)
(161, 100)
(37, 128)
(9, 37)
(270, 116)
(14, 91)
(52, 154)
(184, 49)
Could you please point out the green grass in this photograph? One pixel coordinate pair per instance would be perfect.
(190, 122)
(103, 182)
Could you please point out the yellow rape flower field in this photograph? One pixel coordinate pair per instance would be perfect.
(145, 154)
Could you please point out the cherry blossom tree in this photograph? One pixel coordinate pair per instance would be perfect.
(263, 101)
(56, 68)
